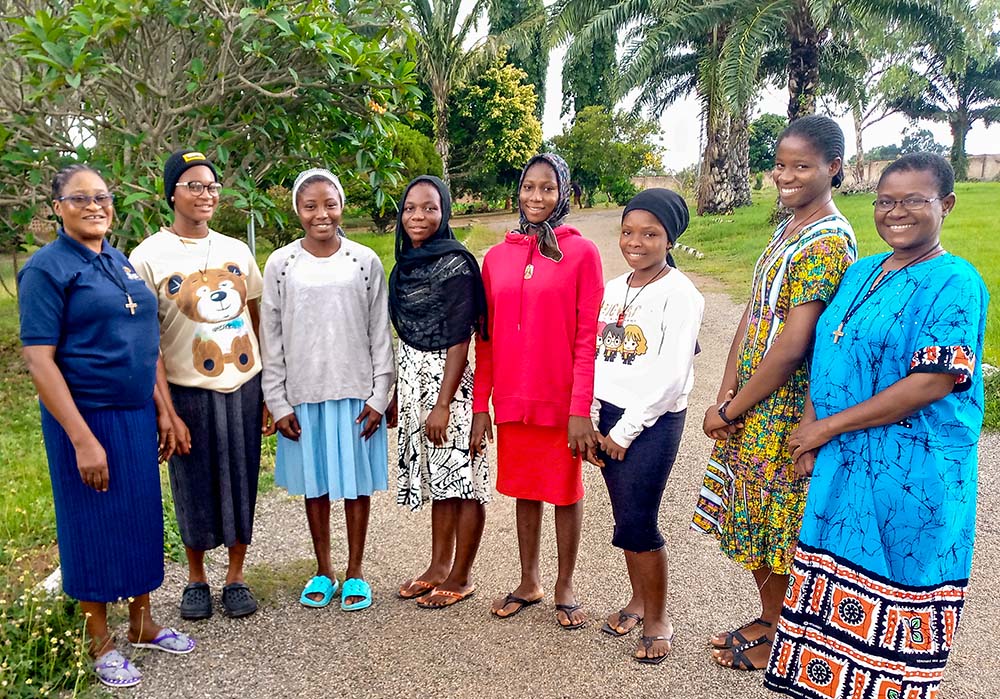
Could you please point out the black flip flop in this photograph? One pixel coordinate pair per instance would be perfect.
(568, 610)
(622, 616)
(511, 598)
(647, 643)
(196, 602)
(237, 600)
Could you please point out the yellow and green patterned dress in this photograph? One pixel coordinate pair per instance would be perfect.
(751, 499)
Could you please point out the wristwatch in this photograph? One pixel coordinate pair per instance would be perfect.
(722, 413)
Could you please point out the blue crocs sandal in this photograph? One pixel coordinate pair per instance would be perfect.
(319, 584)
(356, 587)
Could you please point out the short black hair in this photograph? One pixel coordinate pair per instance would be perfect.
(66, 174)
(938, 166)
(824, 135)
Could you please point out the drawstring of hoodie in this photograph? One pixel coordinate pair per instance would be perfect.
(528, 272)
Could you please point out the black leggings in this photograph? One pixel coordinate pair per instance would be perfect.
(636, 484)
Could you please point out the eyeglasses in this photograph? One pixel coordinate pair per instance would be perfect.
(196, 188)
(910, 203)
(82, 201)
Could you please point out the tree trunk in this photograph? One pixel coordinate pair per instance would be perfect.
(803, 62)
(724, 179)
(441, 143)
(959, 123)
(859, 159)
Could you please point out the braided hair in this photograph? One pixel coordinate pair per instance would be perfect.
(66, 174)
(824, 135)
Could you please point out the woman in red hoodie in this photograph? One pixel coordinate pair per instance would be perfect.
(543, 290)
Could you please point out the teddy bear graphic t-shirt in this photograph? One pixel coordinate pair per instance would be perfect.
(203, 286)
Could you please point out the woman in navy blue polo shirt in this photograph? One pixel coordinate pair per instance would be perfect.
(90, 336)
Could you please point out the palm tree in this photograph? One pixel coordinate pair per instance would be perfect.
(672, 50)
(959, 88)
(806, 27)
(440, 38)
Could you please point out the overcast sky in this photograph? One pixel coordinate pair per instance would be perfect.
(681, 126)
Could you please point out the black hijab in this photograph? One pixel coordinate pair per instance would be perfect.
(436, 294)
(668, 207)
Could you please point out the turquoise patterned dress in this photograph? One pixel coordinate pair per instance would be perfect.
(878, 581)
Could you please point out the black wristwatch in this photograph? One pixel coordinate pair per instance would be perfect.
(722, 413)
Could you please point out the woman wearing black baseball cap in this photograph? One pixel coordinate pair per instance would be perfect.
(208, 286)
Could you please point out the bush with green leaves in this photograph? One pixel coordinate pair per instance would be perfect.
(604, 147)
(249, 82)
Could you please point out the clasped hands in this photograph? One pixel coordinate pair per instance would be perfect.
(583, 440)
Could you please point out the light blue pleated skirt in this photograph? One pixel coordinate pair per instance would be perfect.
(330, 457)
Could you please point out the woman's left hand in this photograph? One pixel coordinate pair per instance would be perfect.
(582, 436)
(168, 439)
(612, 448)
(369, 419)
(808, 437)
(437, 425)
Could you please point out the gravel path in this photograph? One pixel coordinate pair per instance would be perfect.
(395, 649)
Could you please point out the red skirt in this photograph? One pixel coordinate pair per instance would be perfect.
(535, 463)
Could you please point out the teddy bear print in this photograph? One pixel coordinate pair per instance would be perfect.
(214, 299)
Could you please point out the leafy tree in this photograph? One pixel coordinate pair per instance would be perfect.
(416, 155)
(495, 131)
(604, 150)
(959, 87)
(920, 141)
(890, 152)
(122, 84)
(764, 133)
(531, 55)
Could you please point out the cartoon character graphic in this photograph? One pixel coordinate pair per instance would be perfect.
(612, 337)
(600, 339)
(633, 344)
(214, 299)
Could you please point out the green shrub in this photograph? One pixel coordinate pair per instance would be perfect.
(621, 190)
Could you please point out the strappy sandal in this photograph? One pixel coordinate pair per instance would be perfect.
(736, 638)
(740, 660)
(421, 587)
(622, 616)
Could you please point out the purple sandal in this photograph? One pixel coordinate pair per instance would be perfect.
(114, 670)
(169, 641)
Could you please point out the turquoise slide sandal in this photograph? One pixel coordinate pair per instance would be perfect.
(319, 584)
(356, 587)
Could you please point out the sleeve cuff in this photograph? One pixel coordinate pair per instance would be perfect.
(279, 410)
(959, 360)
(618, 434)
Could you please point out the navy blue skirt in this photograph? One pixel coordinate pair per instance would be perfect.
(635, 484)
(110, 544)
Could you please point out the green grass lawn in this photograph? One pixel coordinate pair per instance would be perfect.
(732, 243)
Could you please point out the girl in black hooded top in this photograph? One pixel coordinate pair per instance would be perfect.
(436, 301)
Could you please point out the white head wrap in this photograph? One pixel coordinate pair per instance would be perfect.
(315, 172)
